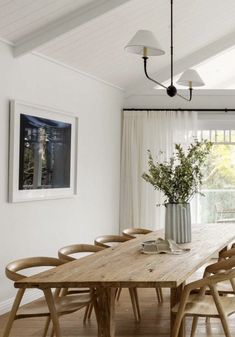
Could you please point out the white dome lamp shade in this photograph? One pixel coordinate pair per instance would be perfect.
(190, 78)
(144, 43)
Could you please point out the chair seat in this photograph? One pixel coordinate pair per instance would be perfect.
(205, 306)
(65, 304)
(225, 287)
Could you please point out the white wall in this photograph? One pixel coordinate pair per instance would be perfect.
(41, 227)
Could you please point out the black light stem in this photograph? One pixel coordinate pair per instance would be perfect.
(145, 58)
(172, 52)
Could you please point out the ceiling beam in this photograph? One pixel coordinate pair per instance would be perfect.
(64, 25)
(189, 61)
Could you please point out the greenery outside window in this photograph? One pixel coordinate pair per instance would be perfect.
(218, 203)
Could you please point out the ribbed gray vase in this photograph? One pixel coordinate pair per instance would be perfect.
(178, 223)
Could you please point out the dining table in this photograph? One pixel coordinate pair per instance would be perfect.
(127, 266)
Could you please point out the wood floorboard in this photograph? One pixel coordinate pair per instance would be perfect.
(155, 321)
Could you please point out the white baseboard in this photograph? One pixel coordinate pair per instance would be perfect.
(29, 296)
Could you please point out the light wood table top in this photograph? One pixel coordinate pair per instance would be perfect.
(125, 265)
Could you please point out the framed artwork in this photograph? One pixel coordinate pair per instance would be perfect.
(43, 153)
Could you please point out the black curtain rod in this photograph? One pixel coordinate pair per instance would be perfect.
(222, 110)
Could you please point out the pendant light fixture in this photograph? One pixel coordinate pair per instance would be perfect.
(144, 43)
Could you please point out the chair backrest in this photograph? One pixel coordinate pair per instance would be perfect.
(64, 253)
(221, 266)
(13, 267)
(223, 270)
(107, 241)
(134, 232)
(227, 254)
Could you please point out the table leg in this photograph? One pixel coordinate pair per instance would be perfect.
(54, 317)
(106, 304)
(175, 298)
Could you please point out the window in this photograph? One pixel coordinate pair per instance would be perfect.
(218, 202)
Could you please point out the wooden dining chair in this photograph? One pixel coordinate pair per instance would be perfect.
(224, 288)
(224, 250)
(207, 305)
(64, 305)
(108, 241)
(133, 233)
(227, 254)
(65, 255)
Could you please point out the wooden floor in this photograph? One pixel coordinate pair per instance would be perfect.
(155, 321)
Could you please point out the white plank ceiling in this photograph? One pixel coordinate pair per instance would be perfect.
(18, 18)
(97, 47)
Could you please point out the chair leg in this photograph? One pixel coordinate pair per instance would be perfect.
(221, 311)
(159, 295)
(86, 313)
(177, 324)
(119, 290)
(194, 326)
(137, 304)
(63, 292)
(52, 330)
(13, 312)
(225, 327)
(96, 309)
(53, 314)
(90, 310)
(132, 296)
(46, 326)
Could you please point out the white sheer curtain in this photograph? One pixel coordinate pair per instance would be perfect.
(156, 131)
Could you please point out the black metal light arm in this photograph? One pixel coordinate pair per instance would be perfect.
(190, 95)
(171, 90)
(145, 58)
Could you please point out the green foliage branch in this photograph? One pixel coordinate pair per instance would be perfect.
(180, 177)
